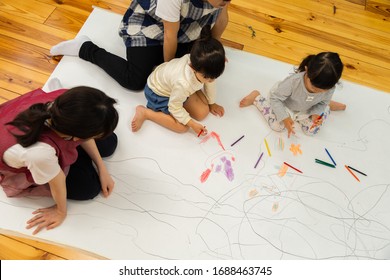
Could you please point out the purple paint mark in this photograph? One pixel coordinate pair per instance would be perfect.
(218, 168)
(229, 170)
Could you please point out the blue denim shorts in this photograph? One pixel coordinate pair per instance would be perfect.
(156, 102)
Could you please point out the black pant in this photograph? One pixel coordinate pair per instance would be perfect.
(133, 72)
(82, 181)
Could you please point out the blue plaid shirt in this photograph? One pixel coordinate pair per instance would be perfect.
(141, 27)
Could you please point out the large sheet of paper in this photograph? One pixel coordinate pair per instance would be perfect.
(178, 196)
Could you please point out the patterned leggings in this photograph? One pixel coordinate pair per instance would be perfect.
(264, 107)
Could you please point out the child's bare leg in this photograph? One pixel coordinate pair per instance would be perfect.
(142, 113)
(197, 106)
(337, 106)
(249, 99)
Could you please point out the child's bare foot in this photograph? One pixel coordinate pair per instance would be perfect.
(336, 106)
(139, 118)
(248, 100)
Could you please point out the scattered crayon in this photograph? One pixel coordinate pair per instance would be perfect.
(235, 142)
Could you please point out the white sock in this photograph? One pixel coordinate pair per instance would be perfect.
(70, 47)
(54, 84)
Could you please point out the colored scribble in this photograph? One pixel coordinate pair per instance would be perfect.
(282, 170)
(205, 175)
(224, 166)
(253, 193)
(228, 170)
(275, 206)
(280, 144)
(215, 136)
(296, 149)
(218, 162)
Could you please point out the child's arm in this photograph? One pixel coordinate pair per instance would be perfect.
(278, 96)
(210, 91)
(289, 125)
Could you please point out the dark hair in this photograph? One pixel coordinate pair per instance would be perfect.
(82, 112)
(208, 55)
(324, 69)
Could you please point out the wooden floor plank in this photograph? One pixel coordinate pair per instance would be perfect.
(31, 32)
(67, 20)
(20, 246)
(18, 79)
(344, 11)
(379, 7)
(362, 49)
(26, 55)
(27, 9)
(317, 24)
(16, 250)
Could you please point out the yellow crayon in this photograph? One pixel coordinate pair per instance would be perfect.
(266, 145)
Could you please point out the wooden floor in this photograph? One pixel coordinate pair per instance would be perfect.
(284, 30)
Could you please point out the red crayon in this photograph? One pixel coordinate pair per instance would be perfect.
(201, 131)
(292, 167)
(314, 124)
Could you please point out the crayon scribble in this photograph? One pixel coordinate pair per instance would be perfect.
(216, 137)
(224, 166)
(283, 170)
(296, 149)
(221, 161)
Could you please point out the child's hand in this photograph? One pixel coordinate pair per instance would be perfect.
(316, 119)
(217, 110)
(289, 124)
(198, 128)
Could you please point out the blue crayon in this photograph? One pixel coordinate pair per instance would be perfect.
(330, 157)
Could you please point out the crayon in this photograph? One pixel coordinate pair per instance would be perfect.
(352, 173)
(201, 131)
(235, 142)
(257, 162)
(266, 145)
(325, 163)
(350, 167)
(292, 167)
(330, 157)
(320, 117)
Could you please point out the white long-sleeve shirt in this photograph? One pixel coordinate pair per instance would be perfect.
(176, 79)
(40, 159)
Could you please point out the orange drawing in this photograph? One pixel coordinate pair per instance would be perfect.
(253, 193)
(296, 149)
(282, 170)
